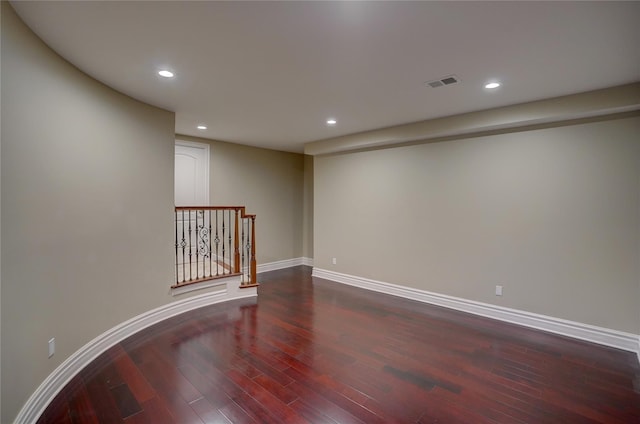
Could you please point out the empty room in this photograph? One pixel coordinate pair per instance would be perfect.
(319, 212)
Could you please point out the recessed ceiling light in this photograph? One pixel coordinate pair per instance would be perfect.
(492, 85)
(165, 73)
(202, 127)
(331, 122)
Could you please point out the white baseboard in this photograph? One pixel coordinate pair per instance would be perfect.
(287, 263)
(51, 386)
(201, 286)
(618, 339)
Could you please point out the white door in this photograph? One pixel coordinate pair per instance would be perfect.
(191, 168)
(191, 174)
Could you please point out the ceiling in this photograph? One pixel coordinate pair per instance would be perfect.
(270, 74)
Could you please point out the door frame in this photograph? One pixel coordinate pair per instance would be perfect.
(206, 148)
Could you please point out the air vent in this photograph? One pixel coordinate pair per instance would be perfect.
(451, 79)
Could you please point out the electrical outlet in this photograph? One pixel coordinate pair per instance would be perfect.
(333, 261)
(52, 347)
(498, 290)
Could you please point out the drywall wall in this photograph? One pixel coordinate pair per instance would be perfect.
(87, 209)
(551, 214)
(307, 209)
(270, 184)
(0, 226)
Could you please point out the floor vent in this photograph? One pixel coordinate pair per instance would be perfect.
(451, 79)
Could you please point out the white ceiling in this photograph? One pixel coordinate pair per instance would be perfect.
(270, 73)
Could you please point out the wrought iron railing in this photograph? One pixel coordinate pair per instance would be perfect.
(213, 242)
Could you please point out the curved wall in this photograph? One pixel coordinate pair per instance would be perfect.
(87, 207)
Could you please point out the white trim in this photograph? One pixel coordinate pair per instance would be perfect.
(207, 154)
(272, 266)
(51, 386)
(621, 340)
(199, 286)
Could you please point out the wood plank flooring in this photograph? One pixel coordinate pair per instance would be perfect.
(314, 351)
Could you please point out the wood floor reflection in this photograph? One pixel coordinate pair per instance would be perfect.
(314, 351)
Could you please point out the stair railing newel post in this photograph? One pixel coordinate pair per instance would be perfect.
(224, 248)
(217, 241)
(242, 260)
(254, 279)
(236, 246)
(230, 251)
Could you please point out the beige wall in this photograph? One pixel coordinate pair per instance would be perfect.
(87, 211)
(87, 201)
(307, 208)
(1, 9)
(270, 184)
(551, 214)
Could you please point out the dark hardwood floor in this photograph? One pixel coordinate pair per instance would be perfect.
(321, 352)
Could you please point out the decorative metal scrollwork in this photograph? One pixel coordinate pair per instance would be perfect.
(208, 244)
(203, 241)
